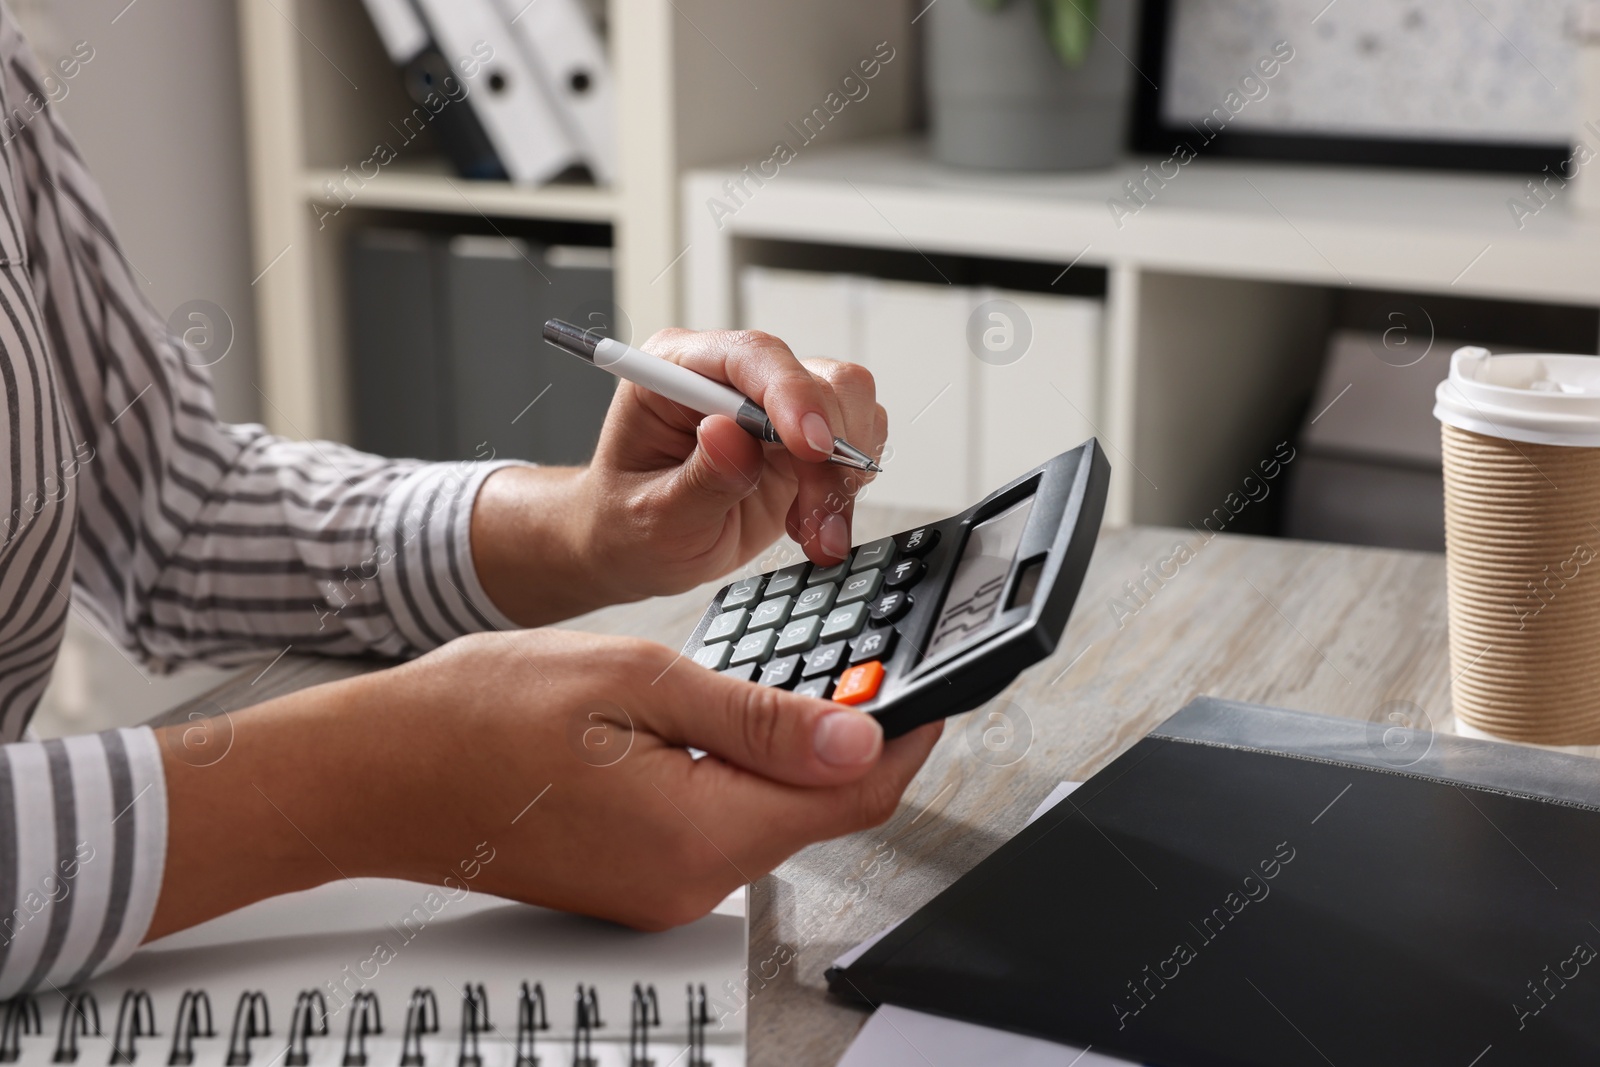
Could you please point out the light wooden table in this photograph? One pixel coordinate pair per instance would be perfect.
(1331, 629)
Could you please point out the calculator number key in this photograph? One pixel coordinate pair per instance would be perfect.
(799, 635)
(787, 580)
(814, 601)
(844, 622)
(770, 613)
(859, 587)
(873, 554)
(753, 647)
(742, 592)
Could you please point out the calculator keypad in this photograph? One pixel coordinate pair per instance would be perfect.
(823, 631)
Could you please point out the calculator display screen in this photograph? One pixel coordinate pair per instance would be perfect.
(980, 577)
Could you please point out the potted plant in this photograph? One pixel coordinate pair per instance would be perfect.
(1030, 84)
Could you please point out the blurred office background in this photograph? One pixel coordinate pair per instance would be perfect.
(1236, 240)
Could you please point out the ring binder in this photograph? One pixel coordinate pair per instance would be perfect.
(248, 1022)
(310, 1017)
(585, 1022)
(643, 1013)
(75, 1021)
(422, 1017)
(364, 1019)
(530, 1019)
(188, 1026)
(474, 1020)
(136, 1017)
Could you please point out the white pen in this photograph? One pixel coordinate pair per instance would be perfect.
(682, 386)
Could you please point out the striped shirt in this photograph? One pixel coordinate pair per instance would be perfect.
(180, 537)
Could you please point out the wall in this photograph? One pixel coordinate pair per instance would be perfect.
(158, 115)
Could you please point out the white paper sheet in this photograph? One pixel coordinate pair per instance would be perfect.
(900, 1037)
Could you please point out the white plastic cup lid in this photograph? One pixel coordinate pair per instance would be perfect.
(1538, 397)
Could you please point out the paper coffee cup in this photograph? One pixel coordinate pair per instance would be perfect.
(1522, 543)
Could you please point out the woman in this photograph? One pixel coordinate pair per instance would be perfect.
(189, 539)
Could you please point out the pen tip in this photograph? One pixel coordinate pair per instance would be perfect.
(873, 467)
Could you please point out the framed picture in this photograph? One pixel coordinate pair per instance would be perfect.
(1481, 85)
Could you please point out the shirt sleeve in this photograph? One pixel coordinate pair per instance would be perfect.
(84, 865)
(199, 540)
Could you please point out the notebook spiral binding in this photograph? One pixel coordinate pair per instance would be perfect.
(310, 1017)
(80, 1018)
(75, 1021)
(22, 1017)
(364, 1019)
(531, 1019)
(194, 1020)
(250, 1020)
(136, 1017)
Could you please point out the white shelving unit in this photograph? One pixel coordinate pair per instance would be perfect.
(696, 81)
(1218, 288)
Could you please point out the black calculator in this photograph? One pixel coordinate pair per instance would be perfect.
(927, 623)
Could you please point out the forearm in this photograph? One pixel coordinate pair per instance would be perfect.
(530, 549)
(284, 796)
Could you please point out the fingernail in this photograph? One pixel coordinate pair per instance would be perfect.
(818, 435)
(700, 442)
(847, 738)
(835, 536)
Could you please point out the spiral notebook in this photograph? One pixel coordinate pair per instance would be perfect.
(383, 973)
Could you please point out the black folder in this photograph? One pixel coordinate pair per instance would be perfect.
(1254, 886)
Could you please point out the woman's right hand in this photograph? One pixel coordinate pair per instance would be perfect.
(565, 752)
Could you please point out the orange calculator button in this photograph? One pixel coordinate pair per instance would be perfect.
(860, 683)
